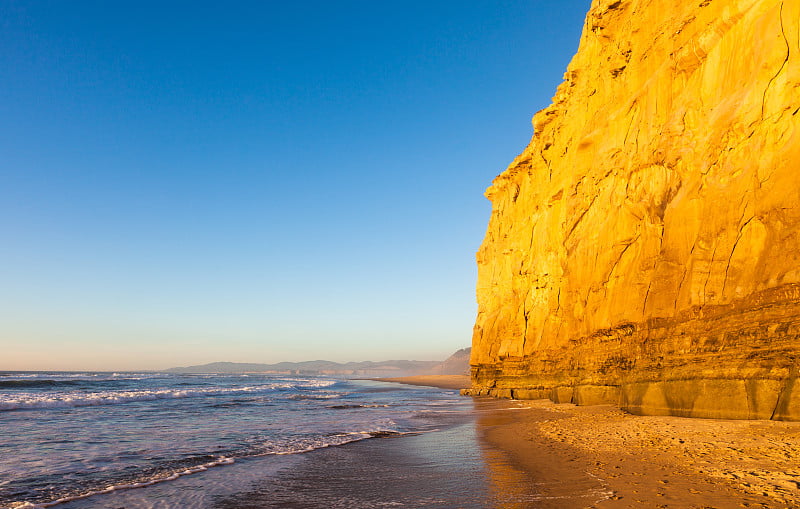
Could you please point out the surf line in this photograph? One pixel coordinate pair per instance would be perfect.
(222, 460)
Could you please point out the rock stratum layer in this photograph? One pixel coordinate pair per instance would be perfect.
(644, 249)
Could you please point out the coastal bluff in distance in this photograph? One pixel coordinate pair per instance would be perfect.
(644, 249)
(456, 364)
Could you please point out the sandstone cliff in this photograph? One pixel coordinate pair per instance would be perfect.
(644, 249)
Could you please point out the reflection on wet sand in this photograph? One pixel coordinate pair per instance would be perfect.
(526, 471)
(480, 458)
(442, 469)
(509, 485)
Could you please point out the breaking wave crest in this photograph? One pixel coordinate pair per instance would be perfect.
(69, 396)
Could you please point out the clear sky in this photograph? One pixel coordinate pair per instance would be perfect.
(187, 182)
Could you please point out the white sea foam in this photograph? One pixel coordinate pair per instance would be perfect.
(63, 376)
(285, 447)
(119, 487)
(77, 377)
(67, 399)
(313, 384)
(30, 400)
(308, 444)
(316, 396)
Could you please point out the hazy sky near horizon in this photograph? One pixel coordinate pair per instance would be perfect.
(187, 182)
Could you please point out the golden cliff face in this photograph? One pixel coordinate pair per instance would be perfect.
(644, 249)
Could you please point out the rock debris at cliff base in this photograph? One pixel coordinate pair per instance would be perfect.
(644, 249)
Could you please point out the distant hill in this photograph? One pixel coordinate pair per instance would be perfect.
(456, 364)
(319, 367)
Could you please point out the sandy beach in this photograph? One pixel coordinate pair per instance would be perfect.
(602, 457)
(642, 461)
(441, 381)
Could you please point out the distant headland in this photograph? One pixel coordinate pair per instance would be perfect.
(456, 364)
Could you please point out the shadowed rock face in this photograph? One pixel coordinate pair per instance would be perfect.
(644, 249)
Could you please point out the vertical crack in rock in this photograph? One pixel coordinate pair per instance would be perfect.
(525, 331)
(782, 67)
(733, 250)
(704, 294)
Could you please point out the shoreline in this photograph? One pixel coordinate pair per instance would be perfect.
(514, 453)
(602, 457)
(455, 382)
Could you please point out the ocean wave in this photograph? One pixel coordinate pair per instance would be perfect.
(315, 397)
(222, 460)
(29, 401)
(350, 407)
(63, 374)
(15, 380)
(34, 383)
(314, 384)
(58, 381)
(281, 447)
(307, 444)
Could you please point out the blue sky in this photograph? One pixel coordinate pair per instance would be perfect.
(257, 181)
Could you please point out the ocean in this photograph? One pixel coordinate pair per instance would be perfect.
(152, 440)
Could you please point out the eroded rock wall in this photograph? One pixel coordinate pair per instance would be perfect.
(644, 249)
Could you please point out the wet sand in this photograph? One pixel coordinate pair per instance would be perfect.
(449, 468)
(472, 462)
(441, 381)
(601, 457)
